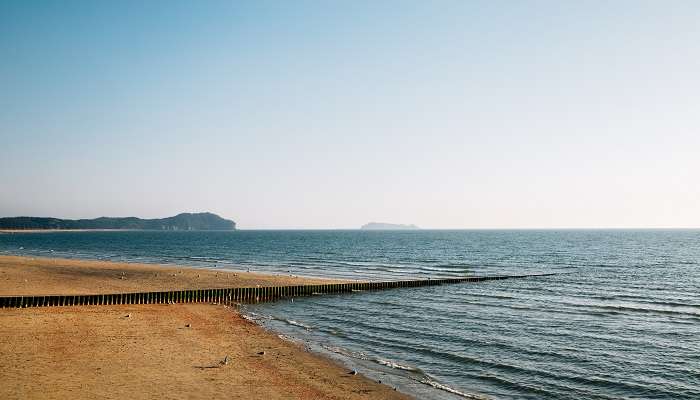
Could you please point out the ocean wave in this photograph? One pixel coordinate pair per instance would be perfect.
(438, 385)
(395, 365)
(344, 352)
(361, 356)
(261, 318)
(290, 339)
(295, 323)
(255, 317)
(631, 308)
(416, 374)
(669, 303)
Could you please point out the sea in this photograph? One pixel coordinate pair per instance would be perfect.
(620, 319)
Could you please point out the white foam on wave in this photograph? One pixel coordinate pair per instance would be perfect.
(446, 388)
(255, 317)
(296, 323)
(395, 365)
(290, 339)
(416, 374)
(344, 352)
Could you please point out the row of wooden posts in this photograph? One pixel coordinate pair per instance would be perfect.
(226, 295)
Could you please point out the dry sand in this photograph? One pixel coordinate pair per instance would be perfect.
(44, 276)
(100, 352)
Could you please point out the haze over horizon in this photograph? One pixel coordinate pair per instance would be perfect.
(538, 114)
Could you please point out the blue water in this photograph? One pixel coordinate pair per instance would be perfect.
(621, 321)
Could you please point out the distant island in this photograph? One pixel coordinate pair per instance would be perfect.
(385, 226)
(181, 222)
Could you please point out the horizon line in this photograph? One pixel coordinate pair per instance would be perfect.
(470, 229)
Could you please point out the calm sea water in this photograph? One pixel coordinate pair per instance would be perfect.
(621, 321)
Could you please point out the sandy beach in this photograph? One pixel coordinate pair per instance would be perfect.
(148, 351)
(38, 275)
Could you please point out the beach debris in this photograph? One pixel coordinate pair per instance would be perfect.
(188, 326)
(262, 353)
(217, 365)
(353, 372)
(127, 316)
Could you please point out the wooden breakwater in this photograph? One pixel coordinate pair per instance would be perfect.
(229, 295)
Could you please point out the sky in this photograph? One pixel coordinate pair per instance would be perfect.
(302, 114)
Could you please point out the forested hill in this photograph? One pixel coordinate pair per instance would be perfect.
(181, 222)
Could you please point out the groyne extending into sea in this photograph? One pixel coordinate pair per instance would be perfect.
(231, 295)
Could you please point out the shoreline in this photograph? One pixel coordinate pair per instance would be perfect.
(138, 351)
(404, 377)
(32, 230)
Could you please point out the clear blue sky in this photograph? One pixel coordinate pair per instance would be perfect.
(464, 114)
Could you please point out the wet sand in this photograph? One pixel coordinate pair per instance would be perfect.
(147, 351)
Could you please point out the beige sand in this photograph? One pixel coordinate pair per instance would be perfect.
(35, 276)
(99, 352)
